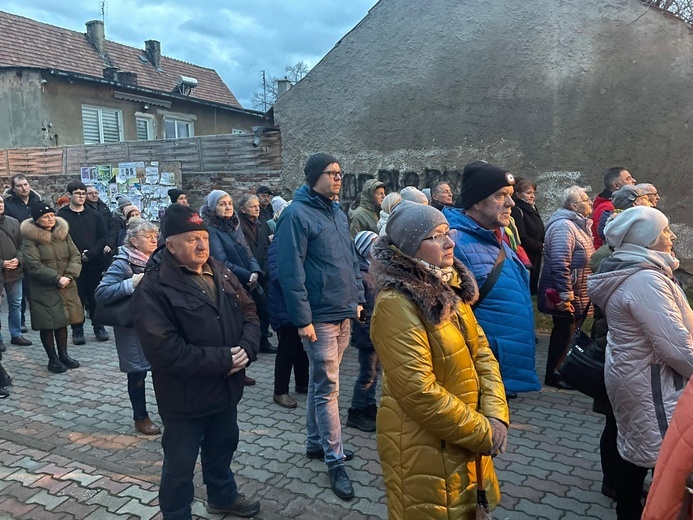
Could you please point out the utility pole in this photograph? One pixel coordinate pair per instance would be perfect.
(264, 91)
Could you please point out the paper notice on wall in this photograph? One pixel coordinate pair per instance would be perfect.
(168, 179)
(86, 177)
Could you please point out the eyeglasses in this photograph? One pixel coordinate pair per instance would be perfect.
(150, 236)
(440, 238)
(79, 193)
(333, 175)
(587, 201)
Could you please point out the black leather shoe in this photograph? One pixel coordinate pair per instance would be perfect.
(267, 348)
(358, 418)
(243, 507)
(101, 334)
(55, 366)
(320, 454)
(69, 362)
(511, 395)
(20, 340)
(4, 393)
(340, 483)
(78, 337)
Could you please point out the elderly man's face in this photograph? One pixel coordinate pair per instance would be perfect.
(92, 194)
(265, 199)
(494, 211)
(190, 249)
(443, 194)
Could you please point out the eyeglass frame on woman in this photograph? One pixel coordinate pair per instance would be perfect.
(450, 233)
(149, 236)
(333, 175)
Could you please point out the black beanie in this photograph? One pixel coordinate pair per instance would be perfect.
(181, 219)
(40, 208)
(174, 193)
(481, 179)
(315, 165)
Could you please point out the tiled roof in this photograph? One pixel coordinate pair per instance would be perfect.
(31, 44)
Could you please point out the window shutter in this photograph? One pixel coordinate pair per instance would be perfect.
(90, 125)
(111, 126)
(142, 129)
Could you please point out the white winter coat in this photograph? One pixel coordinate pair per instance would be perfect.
(649, 355)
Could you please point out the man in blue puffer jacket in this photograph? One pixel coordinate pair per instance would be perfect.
(505, 314)
(322, 287)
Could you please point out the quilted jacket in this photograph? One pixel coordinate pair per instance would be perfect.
(441, 383)
(675, 463)
(649, 353)
(506, 314)
(567, 251)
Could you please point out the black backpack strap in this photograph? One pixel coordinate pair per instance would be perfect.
(492, 277)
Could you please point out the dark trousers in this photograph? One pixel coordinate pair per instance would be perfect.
(629, 481)
(25, 296)
(136, 391)
(290, 354)
(87, 283)
(559, 343)
(608, 451)
(216, 437)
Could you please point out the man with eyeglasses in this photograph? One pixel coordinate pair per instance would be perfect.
(95, 203)
(504, 309)
(441, 195)
(88, 232)
(614, 178)
(320, 279)
(651, 192)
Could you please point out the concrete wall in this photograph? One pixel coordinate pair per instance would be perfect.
(27, 104)
(554, 91)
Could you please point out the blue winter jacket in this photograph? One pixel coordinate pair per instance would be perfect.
(318, 268)
(506, 314)
(277, 306)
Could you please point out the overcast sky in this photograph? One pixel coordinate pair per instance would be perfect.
(237, 38)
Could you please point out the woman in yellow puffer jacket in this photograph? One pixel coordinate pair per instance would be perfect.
(443, 397)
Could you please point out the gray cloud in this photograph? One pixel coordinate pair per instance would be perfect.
(238, 39)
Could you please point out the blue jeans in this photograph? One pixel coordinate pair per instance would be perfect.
(324, 429)
(367, 379)
(13, 290)
(217, 436)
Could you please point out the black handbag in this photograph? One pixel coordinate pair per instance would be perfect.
(116, 314)
(583, 368)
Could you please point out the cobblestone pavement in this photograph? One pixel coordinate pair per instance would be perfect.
(68, 449)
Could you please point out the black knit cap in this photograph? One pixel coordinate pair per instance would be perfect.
(174, 193)
(263, 189)
(315, 165)
(181, 219)
(40, 208)
(481, 179)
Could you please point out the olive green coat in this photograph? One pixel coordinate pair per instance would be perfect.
(48, 255)
(441, 384)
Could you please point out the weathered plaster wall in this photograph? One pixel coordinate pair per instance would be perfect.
(26, 103)
(21, 108)
(555, 91)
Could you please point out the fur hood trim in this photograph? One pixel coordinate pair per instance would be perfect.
(32, 231)
(437, 301)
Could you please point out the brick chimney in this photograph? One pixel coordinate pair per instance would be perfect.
(97, 36)
(153, 49)
(283, 86)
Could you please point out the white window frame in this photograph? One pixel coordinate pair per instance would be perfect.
(99, 117)
(177, 120)
(151, 128)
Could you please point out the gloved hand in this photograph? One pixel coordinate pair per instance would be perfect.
(565, 306)
(500, 437)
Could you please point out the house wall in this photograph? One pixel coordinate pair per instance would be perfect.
(21, 109)
(554, 91)
(58, 102)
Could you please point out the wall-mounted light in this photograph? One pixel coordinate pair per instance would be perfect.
(145, 107)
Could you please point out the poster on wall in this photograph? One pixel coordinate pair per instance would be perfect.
(145, 183)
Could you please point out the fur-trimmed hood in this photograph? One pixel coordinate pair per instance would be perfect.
(437, 301)
(32, 231)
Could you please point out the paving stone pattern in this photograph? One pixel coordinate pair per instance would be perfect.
(68, 449)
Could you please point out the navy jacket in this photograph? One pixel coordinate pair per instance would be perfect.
(277, 306)
(318, 269)
(361, 332)
(227, 244)
(15, 208)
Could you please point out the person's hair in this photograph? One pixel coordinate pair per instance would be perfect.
(15, 177)
(611, 175)
(522, 185)
(75, 185)
(437, 184)
(137, 226)
(571, 195)
(247, 197)
(650, 189)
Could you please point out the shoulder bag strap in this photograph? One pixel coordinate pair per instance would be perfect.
(492, 277)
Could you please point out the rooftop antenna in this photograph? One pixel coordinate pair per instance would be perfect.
(103, 11)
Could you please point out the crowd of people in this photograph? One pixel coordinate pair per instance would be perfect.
(434, 289)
